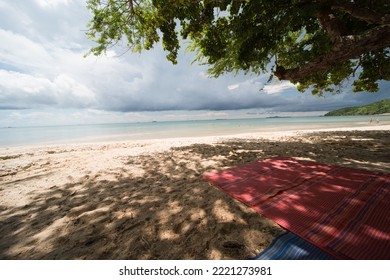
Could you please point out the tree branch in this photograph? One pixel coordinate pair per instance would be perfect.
(364, 14)
(353, 46)
(131, 4)
(331, 24)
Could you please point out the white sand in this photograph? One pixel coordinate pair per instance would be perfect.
(146, 199)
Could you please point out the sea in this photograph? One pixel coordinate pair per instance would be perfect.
(73, 134)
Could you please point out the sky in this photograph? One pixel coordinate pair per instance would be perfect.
(46, 80)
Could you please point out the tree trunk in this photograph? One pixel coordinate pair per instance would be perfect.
(347, 47)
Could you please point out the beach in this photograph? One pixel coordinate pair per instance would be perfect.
(146, 199)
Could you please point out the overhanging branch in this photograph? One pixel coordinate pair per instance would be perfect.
(331, 24)
(131, 5)
(350, 47)
(364, 14)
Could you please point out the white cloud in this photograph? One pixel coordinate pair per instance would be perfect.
(42, 66)
(69, 91)
(34, 90)
(233, 87)
(52, 3)
(22, 52)
(278, 87)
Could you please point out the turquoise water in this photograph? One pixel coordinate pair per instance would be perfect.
(20, 136)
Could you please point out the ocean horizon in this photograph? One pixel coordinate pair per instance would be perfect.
(72, 134)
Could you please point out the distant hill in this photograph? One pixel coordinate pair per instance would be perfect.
(380, 107)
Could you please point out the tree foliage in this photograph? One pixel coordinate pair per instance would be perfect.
(316, 44)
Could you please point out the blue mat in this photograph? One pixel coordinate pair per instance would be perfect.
(289, 246)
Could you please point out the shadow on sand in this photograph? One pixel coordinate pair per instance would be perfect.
(169, 212)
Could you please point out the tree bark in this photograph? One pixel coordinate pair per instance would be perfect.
(131, 5)
(331, 24)
(364, 14)
(348, 47)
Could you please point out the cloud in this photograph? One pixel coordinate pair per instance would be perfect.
(233, 87)
(18, 90)
(42, 68)
(52, 3)
(23, 53)
(278, 87)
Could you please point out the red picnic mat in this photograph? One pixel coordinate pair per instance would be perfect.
(344, 211)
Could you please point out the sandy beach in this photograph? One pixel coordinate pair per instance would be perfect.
(147, 199)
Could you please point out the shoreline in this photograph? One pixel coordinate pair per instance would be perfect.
(194, 139)
(95, 134)
(147, 200)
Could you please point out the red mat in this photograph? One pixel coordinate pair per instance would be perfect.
(343, 211)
